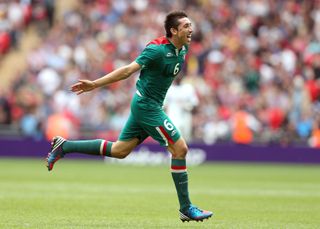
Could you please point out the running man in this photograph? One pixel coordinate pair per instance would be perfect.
(159, 63)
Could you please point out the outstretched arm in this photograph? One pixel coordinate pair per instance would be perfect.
(114, 76)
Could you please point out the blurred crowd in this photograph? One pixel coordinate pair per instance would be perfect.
(252, 74)
(17, 15)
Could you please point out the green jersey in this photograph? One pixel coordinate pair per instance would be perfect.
(160, 62)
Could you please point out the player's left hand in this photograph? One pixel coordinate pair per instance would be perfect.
(83, 86)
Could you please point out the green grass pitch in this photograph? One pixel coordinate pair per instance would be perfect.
(92, 194)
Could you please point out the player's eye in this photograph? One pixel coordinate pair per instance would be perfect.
(187, 25)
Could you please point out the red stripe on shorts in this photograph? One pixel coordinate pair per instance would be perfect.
(166, 135)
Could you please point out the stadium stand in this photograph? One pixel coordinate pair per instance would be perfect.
(253, 64)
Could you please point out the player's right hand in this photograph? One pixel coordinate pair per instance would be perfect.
(83, 86)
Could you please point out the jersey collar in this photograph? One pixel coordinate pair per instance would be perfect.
(176, 50)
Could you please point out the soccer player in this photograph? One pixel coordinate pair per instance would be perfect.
(159, 63)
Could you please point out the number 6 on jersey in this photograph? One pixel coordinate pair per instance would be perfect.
(168, 125)
(176, 69)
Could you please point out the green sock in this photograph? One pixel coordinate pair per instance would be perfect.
(180, 178)
(92, 147)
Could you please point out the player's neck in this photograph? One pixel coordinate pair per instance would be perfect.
(175, 42)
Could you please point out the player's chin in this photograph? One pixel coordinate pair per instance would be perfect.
(188, 41)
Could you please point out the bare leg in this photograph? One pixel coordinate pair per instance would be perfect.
(121, 149)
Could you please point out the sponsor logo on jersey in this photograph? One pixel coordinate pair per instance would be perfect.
(169, 54)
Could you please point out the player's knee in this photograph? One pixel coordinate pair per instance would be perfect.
(182, 151)
(179, 150)
(121, 154)
(118, 153)
(121, 150)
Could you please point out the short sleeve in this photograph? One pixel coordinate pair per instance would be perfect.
(150, 54)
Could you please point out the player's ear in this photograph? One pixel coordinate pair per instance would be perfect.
(173, 31)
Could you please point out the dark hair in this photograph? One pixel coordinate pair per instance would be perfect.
(172, 21)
